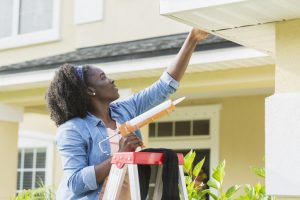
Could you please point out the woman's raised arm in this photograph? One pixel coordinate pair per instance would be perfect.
(178, 67)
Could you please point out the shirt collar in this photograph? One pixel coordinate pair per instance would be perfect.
(95, 120)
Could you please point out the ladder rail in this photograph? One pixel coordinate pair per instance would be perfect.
(158, 184)
(134, 182)
(122, 162)
(116, 177)
(182, 186)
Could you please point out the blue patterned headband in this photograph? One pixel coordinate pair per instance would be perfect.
(79, 71)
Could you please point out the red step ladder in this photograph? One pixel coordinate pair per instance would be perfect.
(130, 160)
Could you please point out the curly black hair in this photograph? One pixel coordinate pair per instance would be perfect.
(66, 96)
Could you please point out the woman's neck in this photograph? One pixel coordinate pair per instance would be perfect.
(101, 110)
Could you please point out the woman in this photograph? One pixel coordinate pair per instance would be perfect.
(81, 102)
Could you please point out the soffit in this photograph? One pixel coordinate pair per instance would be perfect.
(248, 22)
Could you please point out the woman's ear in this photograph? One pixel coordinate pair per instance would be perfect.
(90, 91)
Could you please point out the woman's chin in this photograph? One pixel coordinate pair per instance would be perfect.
(117, 96)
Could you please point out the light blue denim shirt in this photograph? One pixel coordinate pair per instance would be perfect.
(77, 140)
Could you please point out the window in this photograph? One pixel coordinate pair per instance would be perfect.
(192, 127)
(24, 22)
(35, 158)
(31, 168)
(179, 128)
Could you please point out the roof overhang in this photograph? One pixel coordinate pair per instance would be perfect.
(210, 60)
(248, 22)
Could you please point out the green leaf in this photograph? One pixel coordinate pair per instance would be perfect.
(231, 191)
(207, 191)
(263, 189)
(243, 197)
(190, 189)
(219, 172)
(202, 193)
(198, 167)
(259, 171)
(250, 191)
(257, 188)
(188, 161)
(223, 197)
(214, 184)
(188, 180)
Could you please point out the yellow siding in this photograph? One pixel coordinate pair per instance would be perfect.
(242, 138)
(287, 56)
(8, 159)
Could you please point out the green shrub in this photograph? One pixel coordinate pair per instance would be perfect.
(194, 189)
(41, 193)
(257, 192)
(198, 191)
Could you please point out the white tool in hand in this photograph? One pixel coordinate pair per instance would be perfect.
(144, 119)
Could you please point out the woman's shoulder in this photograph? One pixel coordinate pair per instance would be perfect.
(74, 123)
(73, 128)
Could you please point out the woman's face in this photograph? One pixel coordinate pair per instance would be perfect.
(104, 88)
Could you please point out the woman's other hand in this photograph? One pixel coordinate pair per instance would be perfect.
(129, 143)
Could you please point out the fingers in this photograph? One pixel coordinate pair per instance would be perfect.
(129, 143)
(132, 140)
(199, 34)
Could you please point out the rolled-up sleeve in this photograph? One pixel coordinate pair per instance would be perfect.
(168, 79)
(151, 96)
(73, 151)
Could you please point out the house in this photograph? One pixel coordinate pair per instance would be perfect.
(225, 85)
(272, 27)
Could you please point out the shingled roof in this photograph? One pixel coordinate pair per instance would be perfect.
(151, 47)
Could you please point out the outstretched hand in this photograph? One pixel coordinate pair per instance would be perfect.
(198, 34)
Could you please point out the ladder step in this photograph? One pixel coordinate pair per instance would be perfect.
(141, 158)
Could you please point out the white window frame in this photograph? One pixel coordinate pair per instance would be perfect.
(18, 40)
(211, 141)
(30, 139)
(88, 11)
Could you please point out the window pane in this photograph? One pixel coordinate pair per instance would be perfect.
(39, 179)
(35, 15)
(6, 17)
(18, 180)
(152, 130)
(182, 128)
(164, 129)
(28, 159)
(27, 180)
(41, 158)
(201, 127)
(19, 159)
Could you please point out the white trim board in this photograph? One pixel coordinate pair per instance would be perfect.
(128, 68)
(11, 113)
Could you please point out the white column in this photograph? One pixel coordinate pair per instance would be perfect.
(283, 115)
(9, 122)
